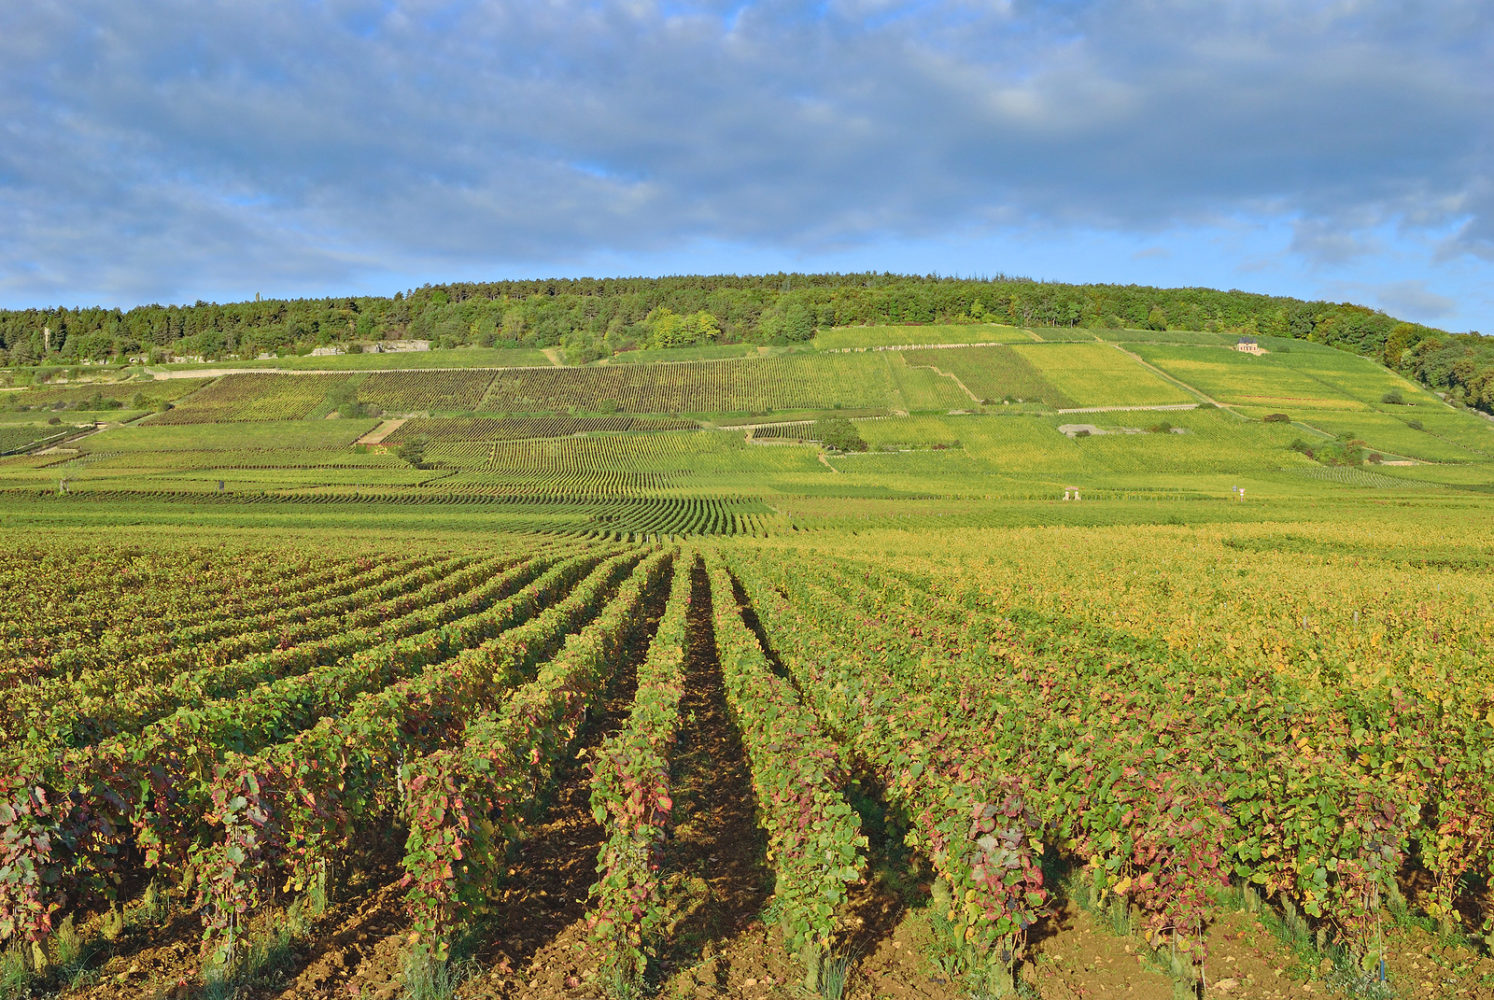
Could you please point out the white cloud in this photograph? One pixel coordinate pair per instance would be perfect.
(208, 137)
(1414, 298)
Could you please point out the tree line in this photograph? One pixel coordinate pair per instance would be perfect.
(590, 318)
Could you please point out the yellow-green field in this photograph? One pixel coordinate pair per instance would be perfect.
(1100, 375)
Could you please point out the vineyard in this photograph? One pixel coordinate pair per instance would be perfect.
(992, 373)
(378, 744)
(615, 681)
(518, 428)
(707, 387)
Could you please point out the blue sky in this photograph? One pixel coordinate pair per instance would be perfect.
(187, 149)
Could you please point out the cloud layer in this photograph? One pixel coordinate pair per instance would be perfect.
(190, 147)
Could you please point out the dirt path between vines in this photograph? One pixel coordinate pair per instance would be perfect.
(716, 881)
(534, 943)
(382, 431)
(717, 876)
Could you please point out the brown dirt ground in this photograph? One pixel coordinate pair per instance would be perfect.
(144, 963)
(534, 949)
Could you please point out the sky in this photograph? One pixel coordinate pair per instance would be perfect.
(193, 149)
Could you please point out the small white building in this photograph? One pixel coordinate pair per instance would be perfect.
(1247, 345)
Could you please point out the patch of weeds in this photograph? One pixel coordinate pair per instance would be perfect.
(833, 975)
(616, 984)
(71, 955)
(218, 984)
(430, 978)
(949, 959)
(1111, 909)
(1352, 981)
(266, 954)
(15, 978)
(1314, 955)
(939, 935)
(154, 908)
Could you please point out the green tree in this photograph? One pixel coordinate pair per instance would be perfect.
(838, 434)
(413, 451)
(670, 329)
(798, 322)
(707, 328)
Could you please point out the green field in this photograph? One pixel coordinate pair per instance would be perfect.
(1100, 375)
(704, 352)
(992, 374)
(922, 388)
(461, 357)
(984, 424)
(1272, 380)
(856, 337)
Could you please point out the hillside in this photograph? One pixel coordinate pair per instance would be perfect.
(588, 319)
(972, 424)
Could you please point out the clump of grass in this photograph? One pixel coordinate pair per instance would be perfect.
(1311, 947)
(618, 985)
(218, 984)
(430, 978)
(14, 976)
(833, 975)
(70, 954)
(267, 953)
(155, 907)
(112, 923)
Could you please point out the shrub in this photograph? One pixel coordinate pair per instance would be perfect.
(1340, 452)
(1415, 425)
(1276, 418)
(839, 434)
(1393, 397)
(1160, 428)
(413, 451)
(1375, 458)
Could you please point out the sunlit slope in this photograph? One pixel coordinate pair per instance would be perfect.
(975, 422)
(1101, 375)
